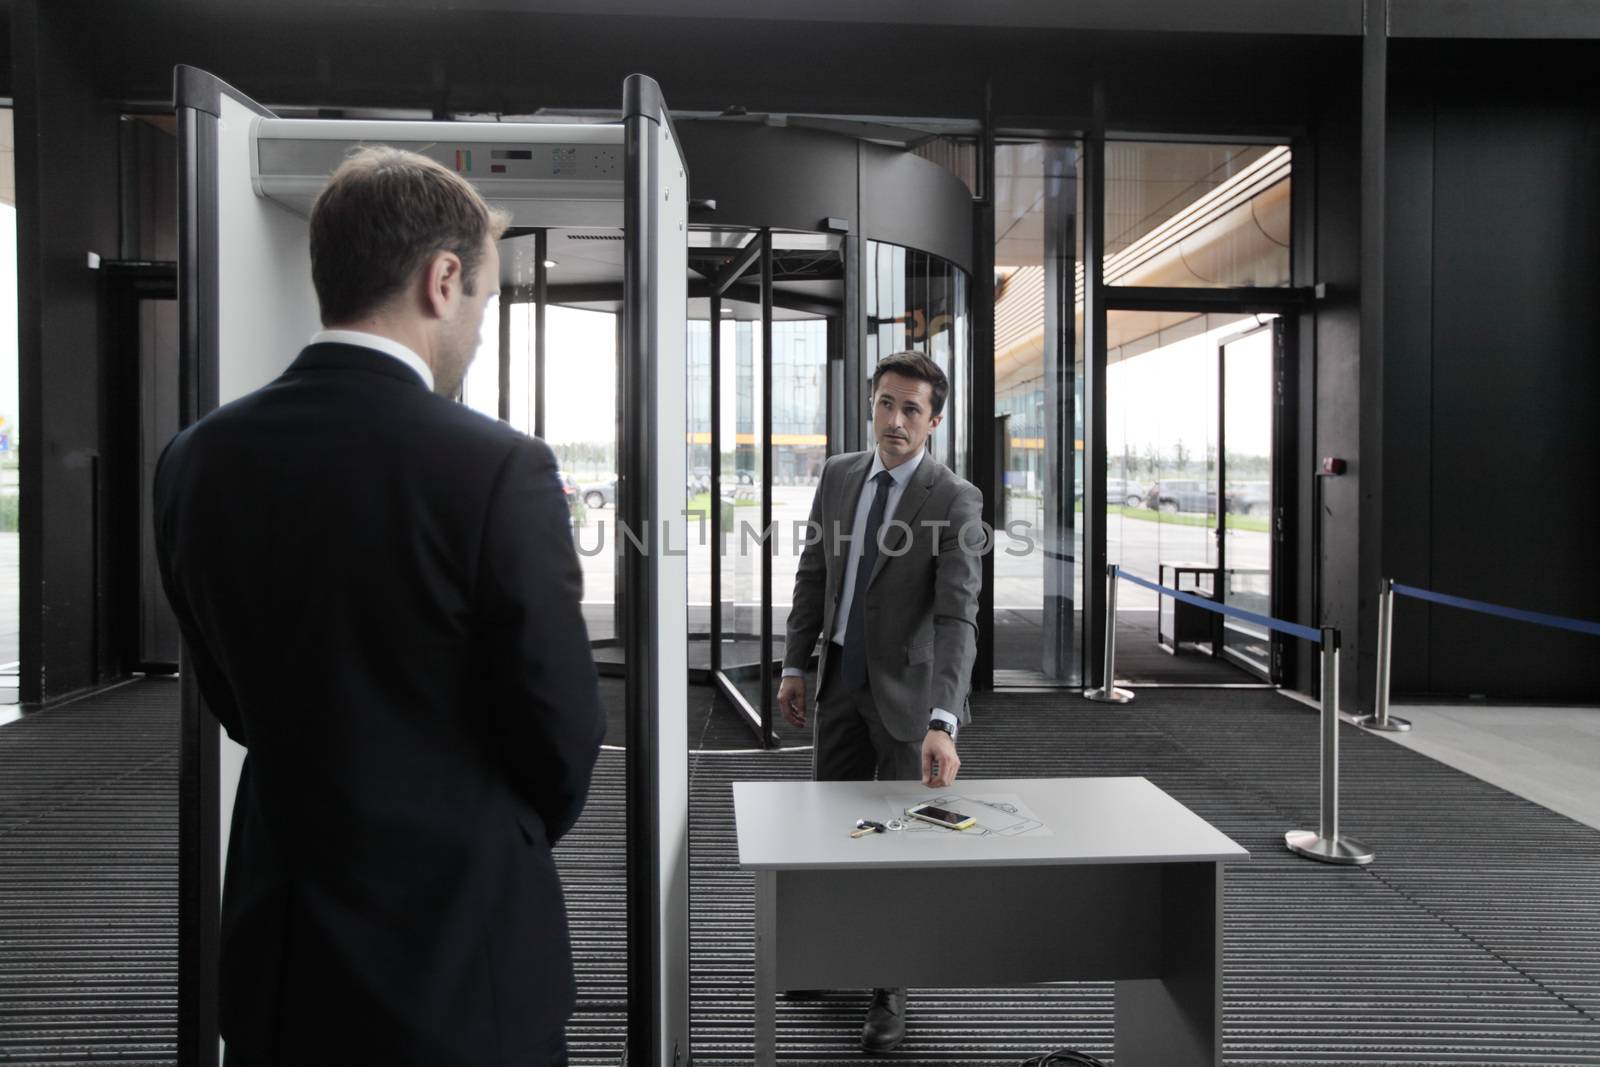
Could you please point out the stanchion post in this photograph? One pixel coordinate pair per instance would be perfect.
(1380, 719)
(1326, 844)
(1107, 692)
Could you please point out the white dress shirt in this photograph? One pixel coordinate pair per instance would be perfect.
(378, 343)
(901, 477)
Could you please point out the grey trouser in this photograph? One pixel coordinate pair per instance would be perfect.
(852, 745)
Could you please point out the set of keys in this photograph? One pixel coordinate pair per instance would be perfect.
(873, 826)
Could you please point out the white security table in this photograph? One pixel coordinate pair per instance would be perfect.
(1124, 884)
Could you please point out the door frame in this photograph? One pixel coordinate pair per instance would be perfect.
(1274, 668)
(1289, 305)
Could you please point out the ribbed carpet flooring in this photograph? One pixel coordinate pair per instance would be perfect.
(1473, 940)
(89, 881)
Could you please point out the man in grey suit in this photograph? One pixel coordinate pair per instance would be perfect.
(890, 576)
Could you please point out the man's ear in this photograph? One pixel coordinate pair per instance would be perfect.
(442, 283)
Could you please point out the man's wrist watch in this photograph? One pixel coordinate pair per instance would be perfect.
(940, 724)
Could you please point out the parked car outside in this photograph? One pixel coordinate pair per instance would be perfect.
(1119, 491)
(1181, 494)
(1249, 498)
(1122, 491)
(601, 494)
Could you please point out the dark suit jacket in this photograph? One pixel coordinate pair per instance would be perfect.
(922, 596)
(379, 595)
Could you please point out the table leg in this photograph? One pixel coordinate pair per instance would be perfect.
(766, 967)
(1176, 1020)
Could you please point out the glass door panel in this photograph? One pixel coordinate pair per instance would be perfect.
(1247, 435)
(521, 399)
(918, 302)
(799, 447)
(1038, 383)
(1162, 445)
(580, 416)
(697, 358)
(480, 390)
(740, 484)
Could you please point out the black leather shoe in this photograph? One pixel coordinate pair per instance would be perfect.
(885, 1027)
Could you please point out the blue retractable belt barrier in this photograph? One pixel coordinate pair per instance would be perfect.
(1305, 633)
(1576, 625)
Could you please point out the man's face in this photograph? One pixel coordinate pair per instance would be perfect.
(460, 334)
(902, 416)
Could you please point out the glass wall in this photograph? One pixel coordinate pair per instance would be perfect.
(1197, 215)
(480, 390)
(1172, 378)
(580, 426)
(799, 447)
(1038, 405)
(10, 440)
(773, 407)
(1178, 509)
(697, 416)
(919, 302)
(739, 475)
(521, 339)
(1247, 505)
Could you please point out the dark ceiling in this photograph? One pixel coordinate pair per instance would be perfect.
(348, 55)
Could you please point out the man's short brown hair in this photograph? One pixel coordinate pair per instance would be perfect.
(383, 214)
(914, 365)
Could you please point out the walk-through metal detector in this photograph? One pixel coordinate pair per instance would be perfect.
(247, 307)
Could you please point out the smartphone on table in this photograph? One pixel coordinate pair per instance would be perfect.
(950, 820)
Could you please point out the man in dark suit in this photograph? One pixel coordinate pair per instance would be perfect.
(890, 577)
(379, 595)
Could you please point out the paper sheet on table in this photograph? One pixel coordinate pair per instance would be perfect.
(997, 813)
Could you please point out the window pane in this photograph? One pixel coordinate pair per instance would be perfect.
(1162, 501)
(581, 428)
(799, 447)
(739, 474)
(918, 302)
(1197, 215)
(481, 389)
(1038, 376)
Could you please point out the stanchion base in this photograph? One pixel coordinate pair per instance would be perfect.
(1340, 849)
(1109, 695)
(1393, 724)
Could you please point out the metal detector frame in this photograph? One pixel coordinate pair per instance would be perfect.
(654, 221)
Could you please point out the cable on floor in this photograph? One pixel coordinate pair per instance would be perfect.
(1064, 1057)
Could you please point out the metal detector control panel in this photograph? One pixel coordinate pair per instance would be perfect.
(508, 163)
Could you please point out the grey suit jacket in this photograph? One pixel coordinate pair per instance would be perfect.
(922, 596)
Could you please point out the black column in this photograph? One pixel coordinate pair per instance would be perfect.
(980, 411)
(541, 297)
(764, 631)
(1094, 394)
(635, 506)
(1355, 682)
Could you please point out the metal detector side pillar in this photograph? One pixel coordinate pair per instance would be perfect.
(1325, 844)
(1108, 693)
(1380, 719)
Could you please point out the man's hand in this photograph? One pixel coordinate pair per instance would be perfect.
(939, 760)
(792, 699)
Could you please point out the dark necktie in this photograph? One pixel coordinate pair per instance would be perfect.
(853, 664)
